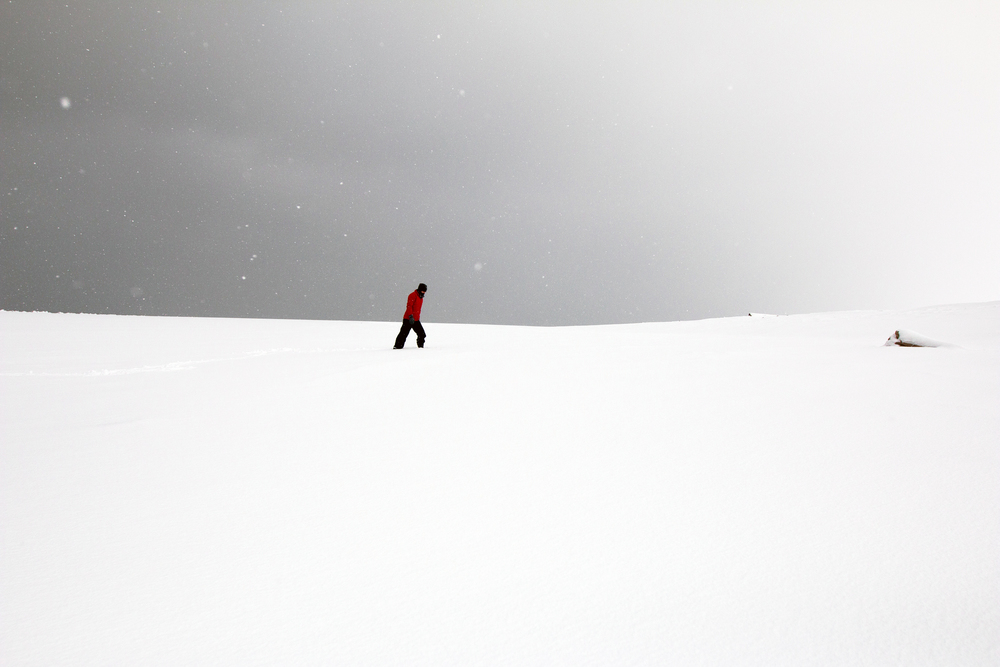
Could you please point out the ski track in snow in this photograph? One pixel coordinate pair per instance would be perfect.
(175, 366)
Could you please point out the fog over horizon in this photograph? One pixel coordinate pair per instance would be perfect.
(542, 163)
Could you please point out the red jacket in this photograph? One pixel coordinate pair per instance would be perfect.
(413, 304)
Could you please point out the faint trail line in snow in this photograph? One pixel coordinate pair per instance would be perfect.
(162, 368)
(172, 366)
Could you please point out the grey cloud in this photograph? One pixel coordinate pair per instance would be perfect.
(545, 163)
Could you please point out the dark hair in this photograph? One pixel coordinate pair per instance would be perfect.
(421, 287)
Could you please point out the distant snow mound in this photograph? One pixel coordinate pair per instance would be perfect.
(760, 315)
(904, 338)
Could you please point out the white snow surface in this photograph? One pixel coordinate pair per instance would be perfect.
(742, 491)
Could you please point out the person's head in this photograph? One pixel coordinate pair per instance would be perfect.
(421, 288)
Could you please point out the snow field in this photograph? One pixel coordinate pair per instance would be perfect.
(753, 491)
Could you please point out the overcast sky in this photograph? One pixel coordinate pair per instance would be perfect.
(532, 162)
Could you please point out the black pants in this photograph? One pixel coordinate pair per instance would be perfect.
(404, 331)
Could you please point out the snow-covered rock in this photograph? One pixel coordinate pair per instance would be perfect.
(904, 338)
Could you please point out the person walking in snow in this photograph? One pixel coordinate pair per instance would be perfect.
(411, 319)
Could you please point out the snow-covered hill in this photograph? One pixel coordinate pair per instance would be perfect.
(744, 491)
